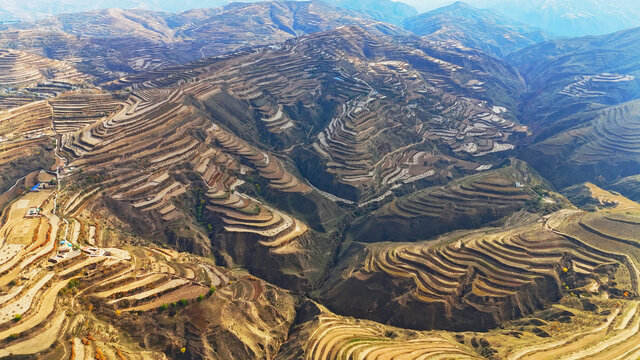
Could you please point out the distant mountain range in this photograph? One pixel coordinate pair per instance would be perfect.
(110, 40)
(393, 12)
(37, 9)
(382, 10)
(569, 18)
(476, 28)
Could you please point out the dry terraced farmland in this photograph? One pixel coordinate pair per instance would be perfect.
(22, 69)
(367, 147)
(61, 307)
(329, 336)
(476, 282)
(468, 202)
(124, 141)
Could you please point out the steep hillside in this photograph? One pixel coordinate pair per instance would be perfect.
(111, 43)
(465, 203)
(475, 282)
(603, 148)
(389, 11)
(629, 186)
(335, 96)
(476, 28)
(581, 103)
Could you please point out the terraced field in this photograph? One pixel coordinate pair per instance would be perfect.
(124, 140)
(368, 145)
(329, 336)
(268, 166)
(72, 112)
(476, 282)
(467, 203)
(615, 202)
(31, 297)
(155, 280)
(605, 144)
(28, 121)
(612, 136)
(242, 159)
(606, 334)
(593, 85)
(42, 303)
(21, 69)
(112, 42)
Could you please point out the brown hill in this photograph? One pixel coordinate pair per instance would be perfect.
(112, 42)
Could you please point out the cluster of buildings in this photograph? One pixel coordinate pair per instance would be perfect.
(66, 251)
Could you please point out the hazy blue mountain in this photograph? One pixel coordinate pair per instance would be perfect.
(574, 17)
(393, 12)
(382, 10)
(560, 17)
(38, 9)
(477, 28)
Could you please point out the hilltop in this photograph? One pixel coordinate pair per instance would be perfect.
(112, 42)
(475, 28)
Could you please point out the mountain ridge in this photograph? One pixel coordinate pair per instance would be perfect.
(475, 28)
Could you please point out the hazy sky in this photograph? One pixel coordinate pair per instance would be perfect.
(425, 5)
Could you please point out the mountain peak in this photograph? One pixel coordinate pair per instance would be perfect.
(476, 28)
(460, 4)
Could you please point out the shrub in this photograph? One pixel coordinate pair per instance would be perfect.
(200, 298)
(163, 307)
(73, 283)
(212, 289)
(13, 336)
(182, 302)
(17, 317)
